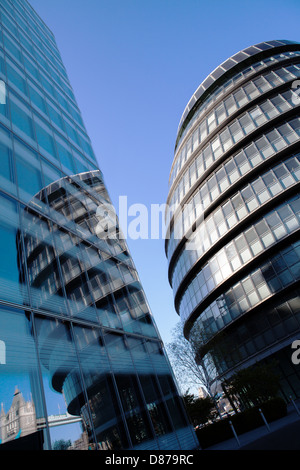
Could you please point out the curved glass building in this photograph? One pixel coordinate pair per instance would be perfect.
(233, 247)
(82, 365)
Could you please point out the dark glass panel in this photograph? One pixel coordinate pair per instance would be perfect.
(134, 409)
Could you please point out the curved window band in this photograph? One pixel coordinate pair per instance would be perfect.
(275, 275)
(231, 135)
(271, 278)
(249, 91)
(207, 87)
(232, 170)
(243, 249)
(265, 328)
(244, 203)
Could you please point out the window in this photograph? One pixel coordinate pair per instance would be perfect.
(22, 120)
(16, 78)
(37, 98)
(45, 139)
(7, 172)
(28, 171)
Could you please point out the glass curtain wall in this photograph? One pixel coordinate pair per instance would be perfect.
(82, 365)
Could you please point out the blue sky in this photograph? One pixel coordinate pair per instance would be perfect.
(134, 65)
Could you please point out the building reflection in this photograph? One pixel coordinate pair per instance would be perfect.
(97, 342)
(19, 420)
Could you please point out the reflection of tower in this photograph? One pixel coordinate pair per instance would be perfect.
(19, 421)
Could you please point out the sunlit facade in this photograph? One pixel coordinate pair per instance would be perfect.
(82, 365)
(234, 250)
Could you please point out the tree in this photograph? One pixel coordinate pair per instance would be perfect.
(254, 385)
(196, 361)
(200, 410)
(182, 354)
(61, 444)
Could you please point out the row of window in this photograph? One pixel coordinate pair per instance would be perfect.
(265, 233)
(257, 333)
(228, 173)
(35, 68)
(230, 136)
(221, 90)
(274, 275)
(23, 9)
(45, 100)
(233, 211)
(24, 172)
(25, 48)
(33, 78)
(21, 26)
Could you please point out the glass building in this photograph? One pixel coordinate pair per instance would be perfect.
(82, 365)
(233, 247)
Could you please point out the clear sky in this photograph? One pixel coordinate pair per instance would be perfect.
(133, 65)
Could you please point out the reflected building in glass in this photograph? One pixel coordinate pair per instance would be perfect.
(233, 249)
(82, 365)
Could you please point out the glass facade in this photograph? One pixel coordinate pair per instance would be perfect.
(82, 365)
(233, 245)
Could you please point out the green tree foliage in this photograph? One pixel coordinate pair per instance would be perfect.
(200, 410)
(61, 444)
(253, 385)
